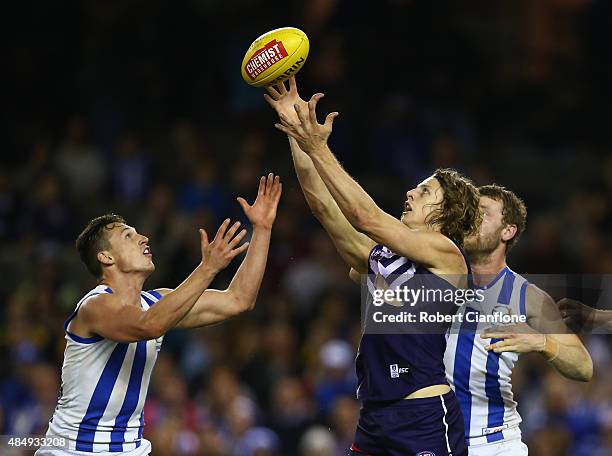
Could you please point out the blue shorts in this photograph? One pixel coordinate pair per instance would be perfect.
(431, 426)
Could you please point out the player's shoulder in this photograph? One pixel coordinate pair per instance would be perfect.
(536, 294)
(99, 302)
(161, 291)
(539, 302)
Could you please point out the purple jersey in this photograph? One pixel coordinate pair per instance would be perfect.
(407, 357)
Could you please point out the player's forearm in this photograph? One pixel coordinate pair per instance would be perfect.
(316, 193)
(173, 307)
(571, 360)
(244, 287)
(356, 205)
(602, 319)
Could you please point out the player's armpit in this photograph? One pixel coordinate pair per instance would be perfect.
(429, 248)
(107, 316)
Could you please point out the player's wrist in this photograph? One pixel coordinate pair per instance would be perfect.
(207, 269)
(264, 226)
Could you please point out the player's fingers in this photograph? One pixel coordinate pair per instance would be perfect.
(222, 229)
(289, 131)
(329, 120)
(230, 233)
(274, 94)
(262, 186)
(269, 183)
(280, 192)
(506, 348)
(312, 107)
(275, 186)
(269, 100)
(281, 88)
(240, 249)
(495, 345)
(301, 115)
(292, 84)
(286, 121)
(234, 242)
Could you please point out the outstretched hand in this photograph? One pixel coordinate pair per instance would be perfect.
(298, 118)
(307, 131)
(223, 248)
(283, 100)
(263, 211)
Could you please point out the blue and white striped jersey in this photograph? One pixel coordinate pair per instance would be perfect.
(481, 379)
(104, 386)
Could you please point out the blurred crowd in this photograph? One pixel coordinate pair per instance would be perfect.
(138, 108)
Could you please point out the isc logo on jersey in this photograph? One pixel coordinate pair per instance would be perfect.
(425, 453)
(396, 370)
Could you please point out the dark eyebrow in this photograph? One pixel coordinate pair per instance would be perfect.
(423, 186)
(126, 228)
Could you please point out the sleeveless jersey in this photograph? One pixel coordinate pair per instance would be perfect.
(104, 386)
(480, 378)
(393, 364)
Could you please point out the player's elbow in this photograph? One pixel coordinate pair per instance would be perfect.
(586, 371)
(152, 330)
(241, 303)
(361, 218)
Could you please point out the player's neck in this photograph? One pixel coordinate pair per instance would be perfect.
(486, 267)
(124, 284)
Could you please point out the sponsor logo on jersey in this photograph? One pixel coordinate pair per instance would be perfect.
(493, 430)
(425, 453)
(396, 370)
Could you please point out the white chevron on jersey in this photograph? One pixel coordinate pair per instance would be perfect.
(481, 379)
(104, 387)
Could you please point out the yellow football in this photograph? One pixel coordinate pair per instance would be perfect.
(275, 56)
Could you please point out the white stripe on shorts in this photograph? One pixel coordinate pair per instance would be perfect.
(446, 426)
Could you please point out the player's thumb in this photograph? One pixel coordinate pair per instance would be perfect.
(243, 204)
(203, 237)
(329, 120)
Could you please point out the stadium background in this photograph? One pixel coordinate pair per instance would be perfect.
(138, 107)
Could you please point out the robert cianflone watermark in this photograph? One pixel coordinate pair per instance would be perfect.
(432, 304)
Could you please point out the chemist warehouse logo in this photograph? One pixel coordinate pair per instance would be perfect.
(396, 370)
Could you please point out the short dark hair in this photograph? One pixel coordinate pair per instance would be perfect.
(459, 214)
(93, 239)
(514, 211)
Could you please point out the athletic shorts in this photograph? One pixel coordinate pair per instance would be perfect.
(431, 426)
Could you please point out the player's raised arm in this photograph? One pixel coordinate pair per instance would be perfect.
(119, 317)
(431, 248)
(354, 247)
(547, 334)
(214, 306)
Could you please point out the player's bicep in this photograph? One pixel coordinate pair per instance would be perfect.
(213, 306)
(429, 248)
(543, 315)
(106, 316)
